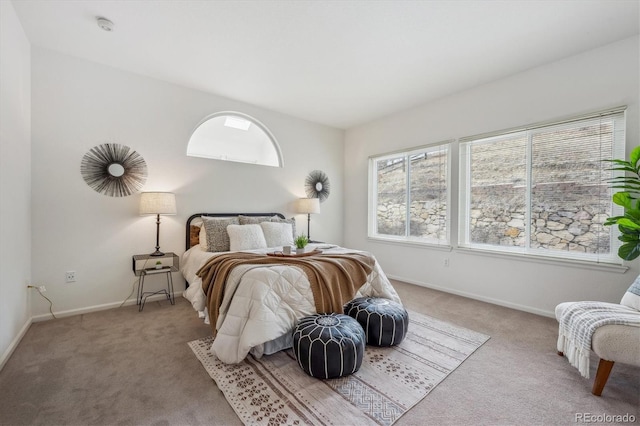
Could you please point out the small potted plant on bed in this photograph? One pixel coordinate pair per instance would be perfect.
(301, 242)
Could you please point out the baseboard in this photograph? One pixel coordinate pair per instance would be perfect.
(61, 314)
(96, 308)
(477, 297)
(14, 344)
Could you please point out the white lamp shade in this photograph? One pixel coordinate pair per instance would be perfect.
(308, 205)
(157, 203)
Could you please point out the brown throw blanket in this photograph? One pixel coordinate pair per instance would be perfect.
(334, 279)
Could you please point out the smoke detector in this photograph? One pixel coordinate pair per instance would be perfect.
(105, 24)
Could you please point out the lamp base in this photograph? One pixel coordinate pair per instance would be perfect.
(157, 252)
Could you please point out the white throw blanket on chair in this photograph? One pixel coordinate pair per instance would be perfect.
(578, 323)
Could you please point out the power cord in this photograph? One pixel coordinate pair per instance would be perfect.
(48, 300)
(133, 285)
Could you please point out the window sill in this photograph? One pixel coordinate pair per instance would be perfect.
(573, 263)
(410, 243)
(585, 264)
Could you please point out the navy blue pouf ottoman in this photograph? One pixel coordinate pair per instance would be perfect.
(329, 345)
(384, 321)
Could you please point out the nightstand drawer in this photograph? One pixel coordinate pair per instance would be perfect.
(147, 264)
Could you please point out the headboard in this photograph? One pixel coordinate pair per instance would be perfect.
(197, 215)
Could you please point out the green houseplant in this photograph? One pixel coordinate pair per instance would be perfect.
(629, 199)
(301, 241)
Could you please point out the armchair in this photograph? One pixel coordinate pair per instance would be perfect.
(611, 331)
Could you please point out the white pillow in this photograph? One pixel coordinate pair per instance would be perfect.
(277, 234)
(632, 297)
(246, 237)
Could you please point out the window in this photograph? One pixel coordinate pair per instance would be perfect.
(543, 190)
(233, 136)
(409, 195)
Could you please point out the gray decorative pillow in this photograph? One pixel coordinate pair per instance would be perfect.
(216, 229)
(291, 221)
(632, 297)
(254, 220)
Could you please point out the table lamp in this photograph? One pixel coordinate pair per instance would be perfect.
(157, 203)
(308, 206)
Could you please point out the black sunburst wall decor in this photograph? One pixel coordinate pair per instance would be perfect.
(114, 170)
(316, 185)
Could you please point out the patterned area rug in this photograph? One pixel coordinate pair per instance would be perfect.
(274, 390)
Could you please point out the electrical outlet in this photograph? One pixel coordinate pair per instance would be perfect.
(71, 276)
(446, 262)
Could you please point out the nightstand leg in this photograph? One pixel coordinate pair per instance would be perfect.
(140, 293)
(140, 289)
(170, 295)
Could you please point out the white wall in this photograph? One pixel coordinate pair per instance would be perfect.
(79, 104)
(15, 180)
(595, 80)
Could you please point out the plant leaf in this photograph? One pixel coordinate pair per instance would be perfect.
(629, 251)
(629, 232)
(628, 238)
(633, 214)
(616, 161)
(624, 166)
(628, 223)
(634, 157)
(624, 180)
(625, 183)
(622, 199)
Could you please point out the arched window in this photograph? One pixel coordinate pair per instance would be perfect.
(233, 136)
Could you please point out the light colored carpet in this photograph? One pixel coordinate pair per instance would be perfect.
(274, 390)
(124, 367)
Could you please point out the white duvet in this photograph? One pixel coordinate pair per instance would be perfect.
(262, 303)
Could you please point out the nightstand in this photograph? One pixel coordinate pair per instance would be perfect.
(144, 265)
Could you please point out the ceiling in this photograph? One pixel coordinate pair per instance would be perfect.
(338, 63)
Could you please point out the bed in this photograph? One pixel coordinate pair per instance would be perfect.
(259, 299)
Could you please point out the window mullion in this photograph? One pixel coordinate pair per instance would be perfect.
(407, 224)
(529, 190)
(467, 194)
(373, 207)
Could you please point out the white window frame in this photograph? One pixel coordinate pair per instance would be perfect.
(373, 197)
(465, 194)
(226, 136)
